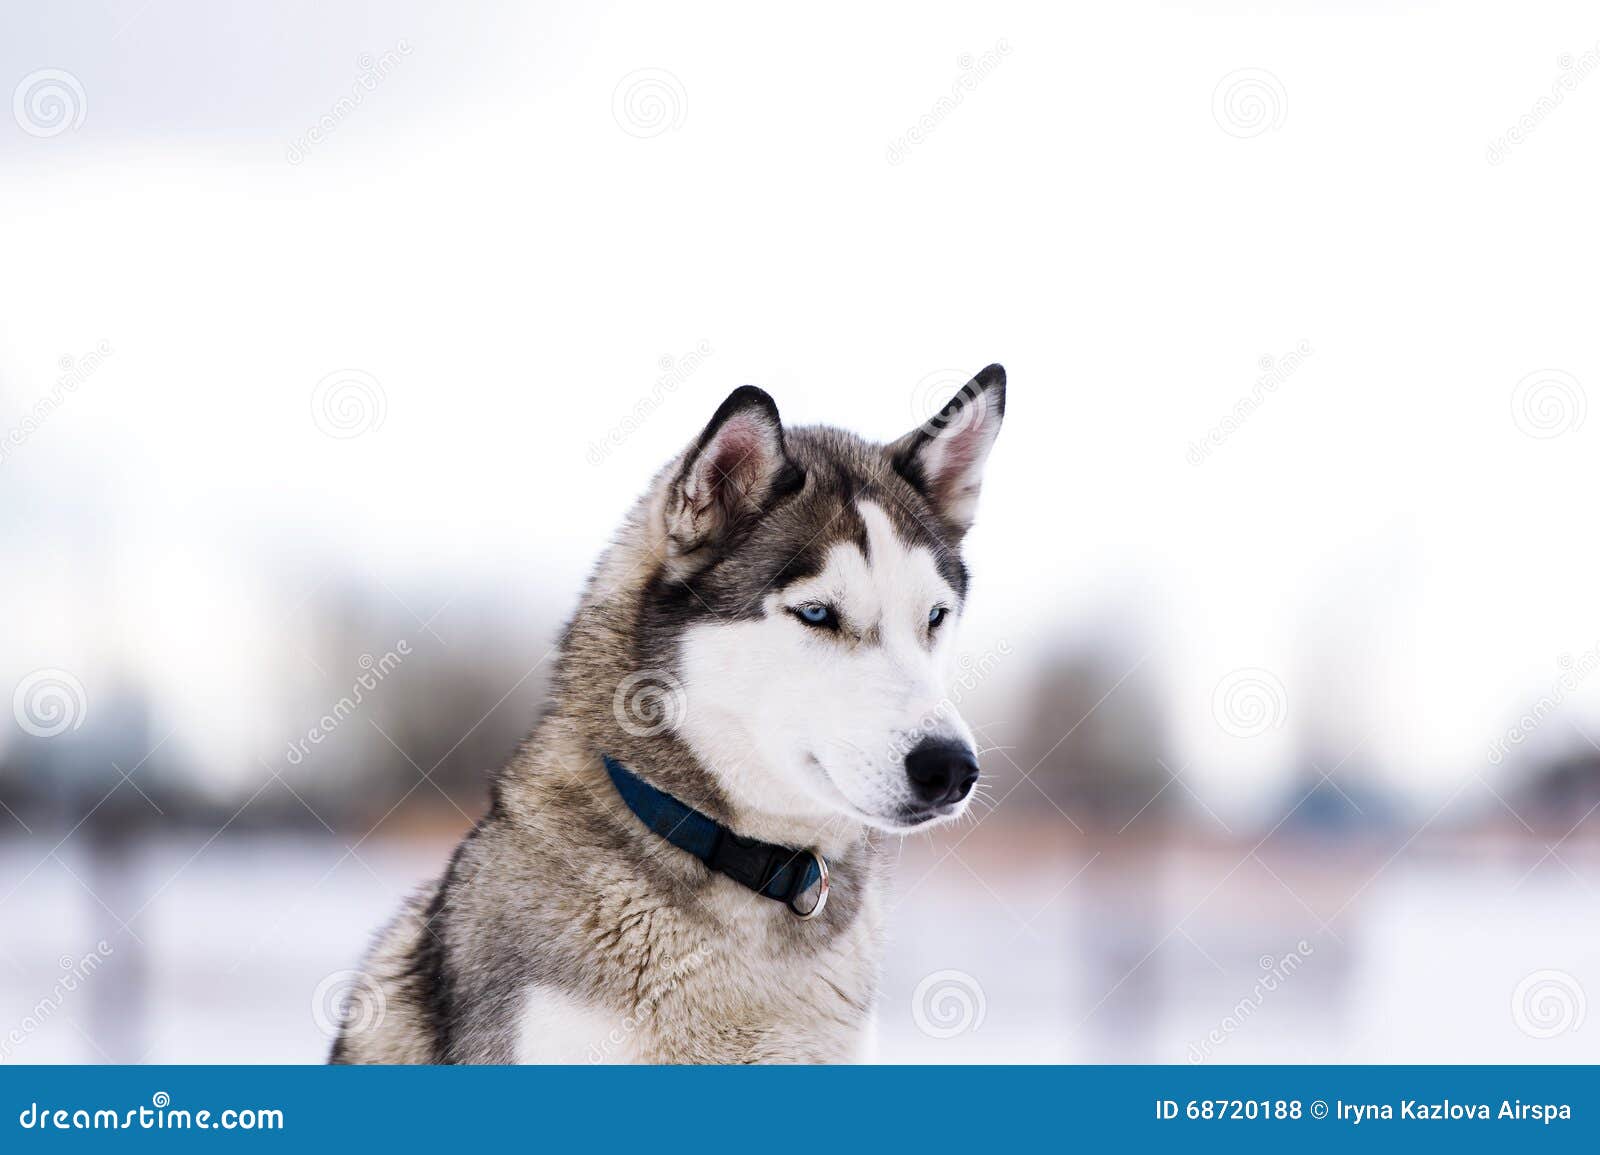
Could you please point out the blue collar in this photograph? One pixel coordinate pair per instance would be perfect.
(772, 871)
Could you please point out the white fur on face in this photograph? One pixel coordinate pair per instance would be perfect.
(803, 722)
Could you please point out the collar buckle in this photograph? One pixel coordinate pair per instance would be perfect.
(822, 886)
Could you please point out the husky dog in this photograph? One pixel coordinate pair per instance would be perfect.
(681, 864)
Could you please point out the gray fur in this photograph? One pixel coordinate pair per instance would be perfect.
(561, 888)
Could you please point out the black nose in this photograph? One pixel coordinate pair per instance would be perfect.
(941, 771)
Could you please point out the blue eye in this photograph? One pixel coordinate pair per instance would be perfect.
(937, 615)
(817, 614)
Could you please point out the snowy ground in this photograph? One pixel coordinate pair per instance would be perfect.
(1010, 947)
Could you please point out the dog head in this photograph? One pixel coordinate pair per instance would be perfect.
(809, 595)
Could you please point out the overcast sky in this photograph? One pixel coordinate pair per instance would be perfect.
(525, 218)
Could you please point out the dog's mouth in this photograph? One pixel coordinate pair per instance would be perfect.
(902, 819)
(915, 817)
(906, 819)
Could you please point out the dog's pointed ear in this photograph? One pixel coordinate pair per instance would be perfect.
(735, 469)
(943, 457)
